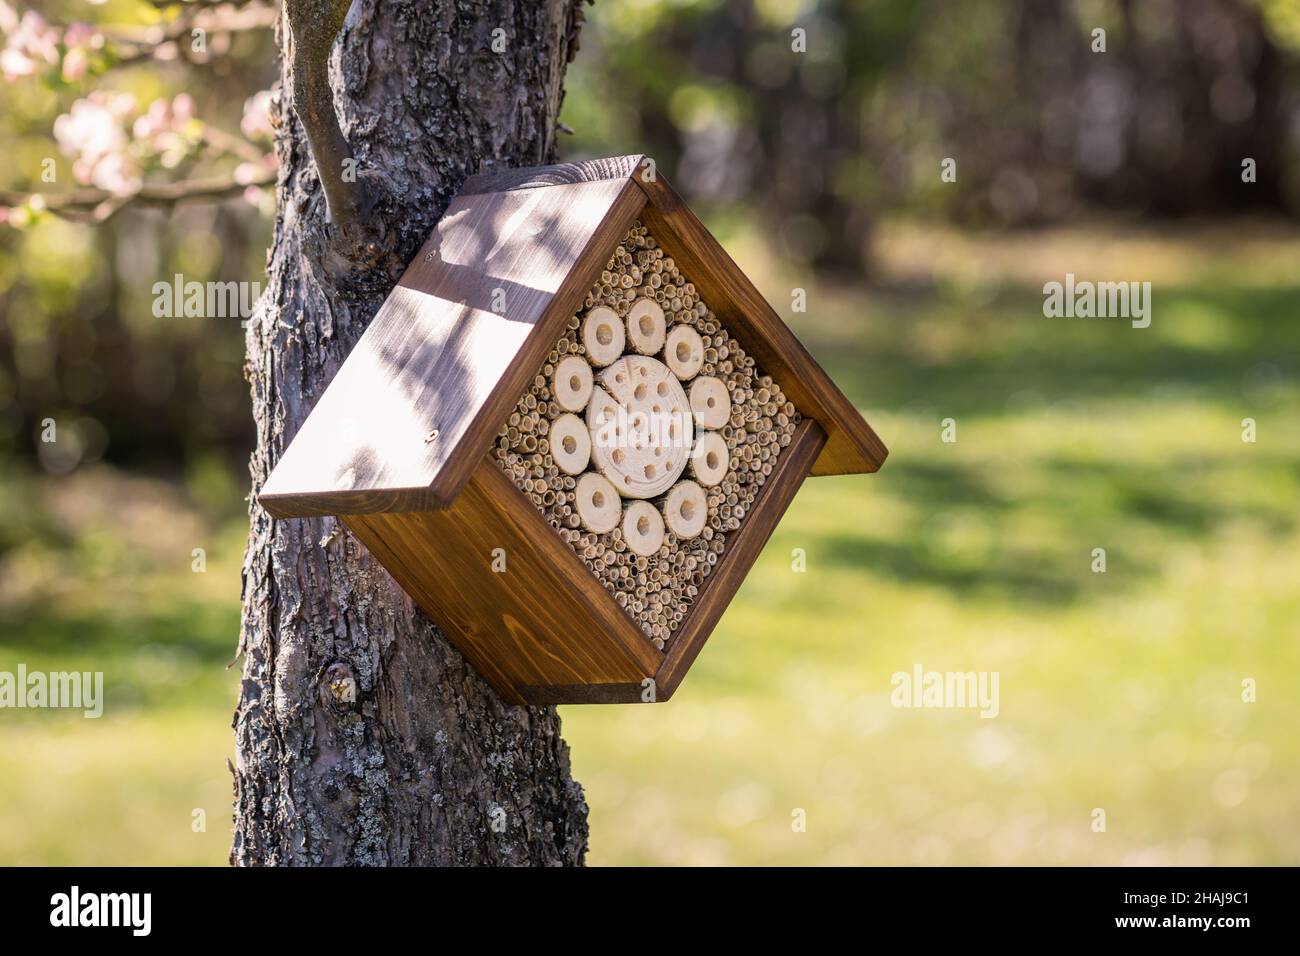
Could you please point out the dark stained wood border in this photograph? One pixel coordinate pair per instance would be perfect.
(543, 695)
(743, 547)
(510, 499)
(852, 446)
(595, 635)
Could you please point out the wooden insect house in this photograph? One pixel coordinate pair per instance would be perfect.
(569, 431)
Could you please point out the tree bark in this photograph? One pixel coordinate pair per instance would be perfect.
(363, 738)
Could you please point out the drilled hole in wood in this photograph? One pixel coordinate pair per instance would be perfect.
(619, 531)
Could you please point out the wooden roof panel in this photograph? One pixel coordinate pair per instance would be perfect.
(450, 350)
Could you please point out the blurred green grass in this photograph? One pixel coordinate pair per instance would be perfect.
(1119, 691)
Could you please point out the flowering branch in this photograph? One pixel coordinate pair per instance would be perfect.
(100, 205)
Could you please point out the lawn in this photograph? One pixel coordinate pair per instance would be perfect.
(1119, 691)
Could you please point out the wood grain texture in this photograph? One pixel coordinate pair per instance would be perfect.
(852, 446)
(439, 358)
(545, 631)
(586, 171)
(583, 694)
(743, 548)
(544, 621)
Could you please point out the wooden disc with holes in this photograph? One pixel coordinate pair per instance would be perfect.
(710, 403)
(571, 383)
(640, 426)
(602, 335)
(709, 459)
(646, 326)
(643, 528)
(686, 508)
(570, 442)
(684, 351)
(598, 504)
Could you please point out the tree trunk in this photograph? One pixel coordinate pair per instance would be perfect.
(363, 737)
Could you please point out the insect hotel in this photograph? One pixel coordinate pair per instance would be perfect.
(569, 431)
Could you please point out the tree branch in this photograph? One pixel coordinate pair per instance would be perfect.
(313, 25)
(99, 205)
(219, 16)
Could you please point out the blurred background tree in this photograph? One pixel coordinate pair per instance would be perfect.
(1042, 127)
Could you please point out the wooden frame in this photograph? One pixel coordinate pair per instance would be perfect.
(397, 446)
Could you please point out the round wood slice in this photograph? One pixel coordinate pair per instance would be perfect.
(686, 508)
(709, 459)
(640, 426)
(710, 402)
(602, 335)
(646, 326)
(571, 383)
(643, 528)
(684, 351)
(570, 444)
(599, 505)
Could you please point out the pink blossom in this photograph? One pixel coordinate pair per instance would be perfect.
(164, 129)
(92, 133)
(31, 44)
(256, 123)
(75, 64)
(80, 34)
